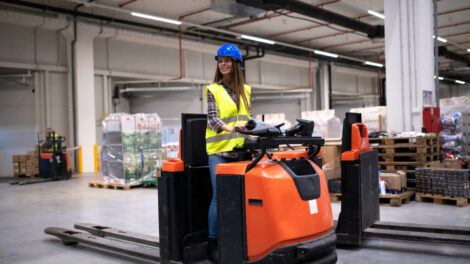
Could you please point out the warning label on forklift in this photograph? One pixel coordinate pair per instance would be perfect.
(313, 206)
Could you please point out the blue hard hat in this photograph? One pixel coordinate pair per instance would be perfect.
(229, 50)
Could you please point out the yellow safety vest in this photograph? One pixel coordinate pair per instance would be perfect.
(230, 115)
(51, 149)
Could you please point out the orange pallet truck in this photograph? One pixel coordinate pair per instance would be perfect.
(359, 218)
(53, 166)
(272, 209)
(273, 206)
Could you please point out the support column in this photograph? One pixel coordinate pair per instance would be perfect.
(47, 99)
(409, 51)
(105, 95)
(85, 94)
(324, 89)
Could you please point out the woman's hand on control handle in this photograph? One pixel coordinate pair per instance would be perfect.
(240, 126)
(231, 129)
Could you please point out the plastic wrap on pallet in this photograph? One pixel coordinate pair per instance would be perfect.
(170, 142)
(455, 121)
(131, 148)
(443, 181)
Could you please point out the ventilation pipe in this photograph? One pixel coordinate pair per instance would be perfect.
(318, 13)
(444, 52)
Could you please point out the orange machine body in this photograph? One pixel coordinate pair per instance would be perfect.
(359, 142)
(283, 218)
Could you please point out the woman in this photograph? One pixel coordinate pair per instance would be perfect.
(228, 107)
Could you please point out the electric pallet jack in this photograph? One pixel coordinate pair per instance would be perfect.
(272, 206)
(360, 213)
(53, 166)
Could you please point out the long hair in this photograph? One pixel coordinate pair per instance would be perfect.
(237, 82)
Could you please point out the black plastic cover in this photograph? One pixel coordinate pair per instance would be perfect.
(321, 250)
(305, 177)
(350, 119)
(231, 225)
(193, 140)
(360, 199)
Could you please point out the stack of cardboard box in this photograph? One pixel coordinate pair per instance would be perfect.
(26, 165)
(395, 181)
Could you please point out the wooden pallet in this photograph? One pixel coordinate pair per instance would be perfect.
(389, 199)
(396, 199)
(405, 153)
(335, 197)
(100, 184)
(440, 199)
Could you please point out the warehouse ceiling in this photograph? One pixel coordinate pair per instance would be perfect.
(293, 30)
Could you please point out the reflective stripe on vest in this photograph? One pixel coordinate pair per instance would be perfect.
(231, 120)
(223, 141)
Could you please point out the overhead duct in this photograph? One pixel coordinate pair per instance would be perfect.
(318, 13)
(444, 52)
(280, 97)
(158, 89)
(232, 7)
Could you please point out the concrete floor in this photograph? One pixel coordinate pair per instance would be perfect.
(26, 210)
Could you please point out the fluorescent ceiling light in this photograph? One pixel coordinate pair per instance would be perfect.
(324, 53)
(376, 14)
(161, 19)
(373, 64)
(459, 82)
(440, 39)
(258, 39)
(440, 78)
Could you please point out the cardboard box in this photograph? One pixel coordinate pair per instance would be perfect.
(434, 164)
(22, 158)
(331, 156)
(332, 173)
(16, 158)
(393, 181)
(331, 153)
(452, 164)
(16, 168)
(403, 180)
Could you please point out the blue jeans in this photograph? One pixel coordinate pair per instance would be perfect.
(214, 160)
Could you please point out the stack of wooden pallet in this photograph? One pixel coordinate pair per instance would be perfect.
(405, 153)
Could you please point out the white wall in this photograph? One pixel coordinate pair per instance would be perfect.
(357, 91)
(169, 105)
(58, 103)
(17, 122)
